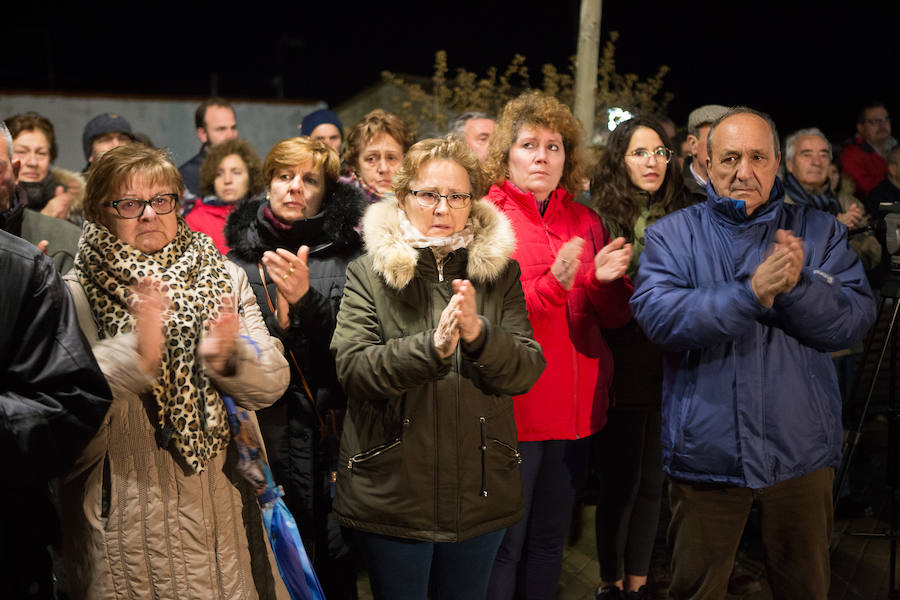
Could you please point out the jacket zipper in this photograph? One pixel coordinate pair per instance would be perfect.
(370, 454)
(483, 458)
(574, 354)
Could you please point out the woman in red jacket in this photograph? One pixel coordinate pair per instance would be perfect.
(572, 274)
(231, 172)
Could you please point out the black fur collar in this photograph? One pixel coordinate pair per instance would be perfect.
(342, 213)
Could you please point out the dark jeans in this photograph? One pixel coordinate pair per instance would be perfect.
(401, 569)
(628, 456)
(530, 557)
(796, 518)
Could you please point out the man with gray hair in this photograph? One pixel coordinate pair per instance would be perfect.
(693, 169)
(808, 155)
(476, 128)
(747, 314)
(55, 237)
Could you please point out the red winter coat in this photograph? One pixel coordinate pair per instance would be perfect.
(210, 219)
(569, 400)
(864, 165)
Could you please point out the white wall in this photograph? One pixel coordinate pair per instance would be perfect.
(169, 122)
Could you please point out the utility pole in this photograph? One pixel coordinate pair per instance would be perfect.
(586, 64)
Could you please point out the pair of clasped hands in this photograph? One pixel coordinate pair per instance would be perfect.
(780, 271)
(460, 320)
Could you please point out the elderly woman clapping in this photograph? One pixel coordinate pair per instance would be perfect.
(432, 339)
(154, 507)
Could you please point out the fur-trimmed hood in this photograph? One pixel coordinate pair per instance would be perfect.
(395, 260)
(342, 212)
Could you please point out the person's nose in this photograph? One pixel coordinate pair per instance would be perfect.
(441, 207)
(744, 171)
(651, 160)
(31, 158)
(382, 165)
(540, 154)
(296, 186)
(148, 213)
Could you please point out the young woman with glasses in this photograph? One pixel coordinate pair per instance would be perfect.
(636, 183)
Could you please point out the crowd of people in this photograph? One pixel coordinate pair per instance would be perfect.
(444, 345)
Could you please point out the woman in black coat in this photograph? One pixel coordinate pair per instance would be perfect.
(295, 244)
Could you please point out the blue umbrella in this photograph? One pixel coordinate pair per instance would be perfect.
(293, 563)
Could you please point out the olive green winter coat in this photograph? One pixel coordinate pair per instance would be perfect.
(429, 446)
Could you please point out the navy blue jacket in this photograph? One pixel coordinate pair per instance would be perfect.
(750, 396)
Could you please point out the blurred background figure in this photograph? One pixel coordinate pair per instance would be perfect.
(58, 239)
(864, 158)
(103, 133)
(52, 191)
(216, 122)
(476, 128)
(694, 173)
(324, 126)
(294, 244)
(230, 173)
(375, 149)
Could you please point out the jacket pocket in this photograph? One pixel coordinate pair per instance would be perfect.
(496, 456)
(371, 453)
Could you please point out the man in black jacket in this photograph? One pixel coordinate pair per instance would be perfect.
(52, 400)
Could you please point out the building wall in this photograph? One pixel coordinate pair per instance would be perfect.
(169, 122)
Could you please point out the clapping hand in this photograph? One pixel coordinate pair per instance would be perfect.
(565, 265)
(148, 305)
(218, 346)
(467, 312)
(612, 261)
(446, 335)
(781, 270)
(290, 273)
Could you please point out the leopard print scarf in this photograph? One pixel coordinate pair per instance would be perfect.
(192, 274)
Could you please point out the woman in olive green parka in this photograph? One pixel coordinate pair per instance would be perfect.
(429, 444)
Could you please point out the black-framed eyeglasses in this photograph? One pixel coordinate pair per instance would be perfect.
(878, 121)
(132, 208)
(661, 153)
(428, 199)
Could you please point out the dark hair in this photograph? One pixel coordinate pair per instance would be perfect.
(218, 153)
(200, 113)
(32, 121)
(611, 187)
(861, 115)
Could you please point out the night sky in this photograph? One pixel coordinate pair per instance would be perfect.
(807, 63)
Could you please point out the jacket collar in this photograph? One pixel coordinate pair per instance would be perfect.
(395, 260)
(528, 202)
(734, 212)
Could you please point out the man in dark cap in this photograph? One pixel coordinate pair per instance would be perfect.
(103, 133)
(323, 125)
(694, 168)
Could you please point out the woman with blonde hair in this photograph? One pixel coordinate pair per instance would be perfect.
(431, 342)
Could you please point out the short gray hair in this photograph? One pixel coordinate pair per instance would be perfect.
(4, 131)
(790, 144)
(458, 126)
(744, 110)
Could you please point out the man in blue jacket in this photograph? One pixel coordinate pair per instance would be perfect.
(748, 296)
